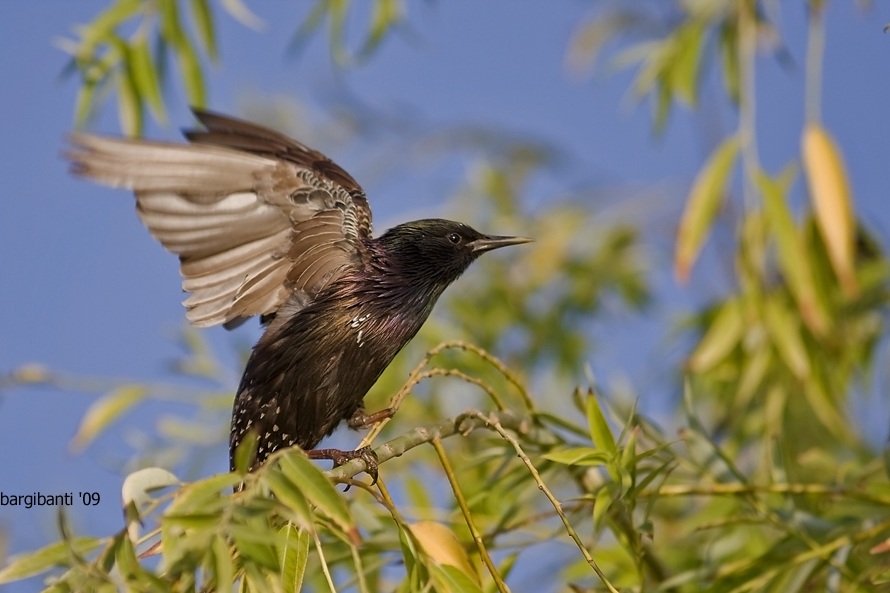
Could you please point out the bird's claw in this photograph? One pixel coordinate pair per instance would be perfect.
(339, 457)
(362, 419)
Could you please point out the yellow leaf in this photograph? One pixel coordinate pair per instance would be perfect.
(832, 202)
(702, 206)
(104, 411)
(443, 547)
(29, 564)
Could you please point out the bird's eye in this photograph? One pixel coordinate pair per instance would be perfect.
(454, 238)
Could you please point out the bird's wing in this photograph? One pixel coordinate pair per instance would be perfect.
(254, 216)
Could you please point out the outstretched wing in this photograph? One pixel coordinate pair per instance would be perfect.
(256, 218)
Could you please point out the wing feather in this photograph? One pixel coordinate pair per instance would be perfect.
(255, 217)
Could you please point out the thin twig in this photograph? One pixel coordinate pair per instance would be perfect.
(38, 376)
(532, 519)
(491, 393)
(495, 362)
(397, 400)
(389, 504)
(737, 489)
(418, 374)
(493, 423)
(324, 564)
(352, 482)
(815, 51)
(822, 551)
(747, 131)
(464, 423)
(468, 516)
(359, 570)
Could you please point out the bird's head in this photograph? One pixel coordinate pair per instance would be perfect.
(436, 252)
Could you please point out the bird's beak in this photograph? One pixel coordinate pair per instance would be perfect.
(488, 243)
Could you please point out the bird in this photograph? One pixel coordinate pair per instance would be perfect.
(266, 226)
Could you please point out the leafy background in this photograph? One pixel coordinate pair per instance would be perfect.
(745, 406)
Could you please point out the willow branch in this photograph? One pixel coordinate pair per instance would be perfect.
(465, 423)
(468, 517)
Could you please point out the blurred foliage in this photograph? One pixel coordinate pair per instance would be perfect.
(385, 16)
(769, 486)
(127, 48)
(782, 352)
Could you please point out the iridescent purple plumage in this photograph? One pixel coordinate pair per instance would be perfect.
(264, 225)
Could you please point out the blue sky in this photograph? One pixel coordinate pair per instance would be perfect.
(88, 291)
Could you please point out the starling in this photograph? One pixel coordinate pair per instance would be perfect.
(264, 225)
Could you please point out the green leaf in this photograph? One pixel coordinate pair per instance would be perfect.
(654, 57)
(192, 75)
(385, 14)
(413, 567)
(628, 462)
(601, 506)
(579, 456)
(452, 580)
(104, 411)
(186, 56)
(192, 520)
(293, 552)
(83, 105)
(338, 10)
(105, 560)
(55, 554)
(257, 580)
(793, 257)
(826, 408)
(754, 368)
(784, 330)
(317, 488)
(702, 206)
(204, 24)
(729, 40)
(144, 74)
(203, 495)
(223, 564)
(723, 334)
(290, 495)
(416, 490)
(245, 453)
(171, 28)
(600, 433)
(309, 25)
(256, 545)
(103, 25)
(127, 563)
(129, 107)
(684, 67)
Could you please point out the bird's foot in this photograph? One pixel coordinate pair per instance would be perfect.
(339, 457)
(360, 419)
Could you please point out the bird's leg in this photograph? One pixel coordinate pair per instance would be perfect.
(360, 419)
(339, 457)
